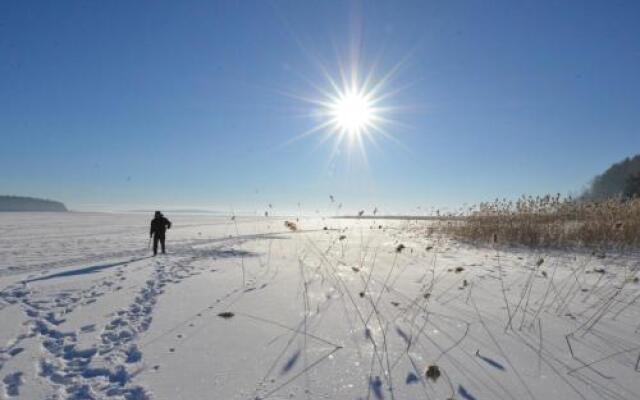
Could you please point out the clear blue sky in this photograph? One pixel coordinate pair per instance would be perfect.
(132, 103)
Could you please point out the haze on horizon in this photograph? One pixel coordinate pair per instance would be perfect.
(119, 105)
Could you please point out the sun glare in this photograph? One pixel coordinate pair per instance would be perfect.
(352, 113)
(353, 108)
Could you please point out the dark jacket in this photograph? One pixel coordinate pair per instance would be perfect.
(159, 225)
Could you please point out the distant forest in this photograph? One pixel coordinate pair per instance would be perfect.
(17, 203)
(621, 179)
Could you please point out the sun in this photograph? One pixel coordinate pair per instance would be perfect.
(354, 108)
(352, 112)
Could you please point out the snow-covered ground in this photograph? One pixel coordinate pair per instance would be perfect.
(247, 309)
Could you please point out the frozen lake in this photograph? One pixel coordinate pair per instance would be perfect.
(248, 309)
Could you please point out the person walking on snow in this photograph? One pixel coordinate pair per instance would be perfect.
(159, 225)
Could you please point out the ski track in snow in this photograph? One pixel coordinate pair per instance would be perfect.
(353, 316)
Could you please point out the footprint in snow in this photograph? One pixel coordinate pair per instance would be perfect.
(15, 351)
(12, 383)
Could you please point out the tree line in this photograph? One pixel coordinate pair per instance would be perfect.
(622, 179)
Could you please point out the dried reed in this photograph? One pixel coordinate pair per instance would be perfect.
(552, 221)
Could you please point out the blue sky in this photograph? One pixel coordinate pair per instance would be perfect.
(188, 104)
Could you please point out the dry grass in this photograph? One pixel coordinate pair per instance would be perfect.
(552, 221)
